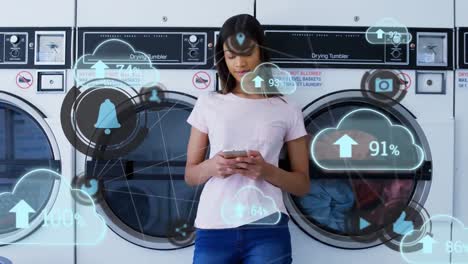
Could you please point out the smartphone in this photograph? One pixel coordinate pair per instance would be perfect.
(231, 154)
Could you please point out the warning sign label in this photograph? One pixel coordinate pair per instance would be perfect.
(307, 78)
(462, 79)
(24, 79)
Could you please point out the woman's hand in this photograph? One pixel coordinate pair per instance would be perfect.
(252, 166)
(221, 166)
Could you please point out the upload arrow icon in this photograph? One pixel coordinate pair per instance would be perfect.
(22, 211)
(346, 143)
(100, 68)
(380, 33)
(258, 81)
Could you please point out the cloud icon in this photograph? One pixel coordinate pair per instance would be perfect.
(250, 205)
(268, 78)
(116, 59)
(388, 31)
(364, 140)
(438, 246)
(29, 206)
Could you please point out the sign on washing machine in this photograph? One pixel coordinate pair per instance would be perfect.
(306, 78)
(319, 47)
(462, 79)
(24, 79)
(201, 80)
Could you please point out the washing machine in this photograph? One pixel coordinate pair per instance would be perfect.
(35, 62)
(139, 187)
(338, 55)
(461, 113)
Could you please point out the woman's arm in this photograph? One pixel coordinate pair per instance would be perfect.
(197, 169)
(296, 182)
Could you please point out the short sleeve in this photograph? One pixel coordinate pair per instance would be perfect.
(198, 116)
(296, 127)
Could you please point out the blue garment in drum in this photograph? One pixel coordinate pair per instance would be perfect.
(328, 202)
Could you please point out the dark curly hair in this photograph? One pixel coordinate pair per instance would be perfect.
(252, 29)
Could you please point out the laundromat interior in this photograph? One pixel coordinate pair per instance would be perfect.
(243, 132)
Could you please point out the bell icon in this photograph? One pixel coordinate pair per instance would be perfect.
(107, 117)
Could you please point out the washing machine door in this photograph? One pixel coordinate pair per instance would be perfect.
(339, 201)
(144, 197)
(26, 144)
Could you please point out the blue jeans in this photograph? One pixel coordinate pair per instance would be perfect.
(247, 244)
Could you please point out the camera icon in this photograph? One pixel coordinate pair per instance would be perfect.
(383, 85)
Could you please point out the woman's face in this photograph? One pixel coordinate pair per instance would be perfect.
(240, 65)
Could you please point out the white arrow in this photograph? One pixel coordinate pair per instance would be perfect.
(346, 143)
(22, 211)
(428, 243)
(380, 33)
(258, 81)
(100, 68)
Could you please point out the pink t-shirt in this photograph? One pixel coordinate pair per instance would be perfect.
(236, 123)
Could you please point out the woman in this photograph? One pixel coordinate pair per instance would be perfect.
(252, 185)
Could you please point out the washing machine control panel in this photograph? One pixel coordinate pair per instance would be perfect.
(35, 48)
(13, 48)
(164, 47)
(358, 47)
